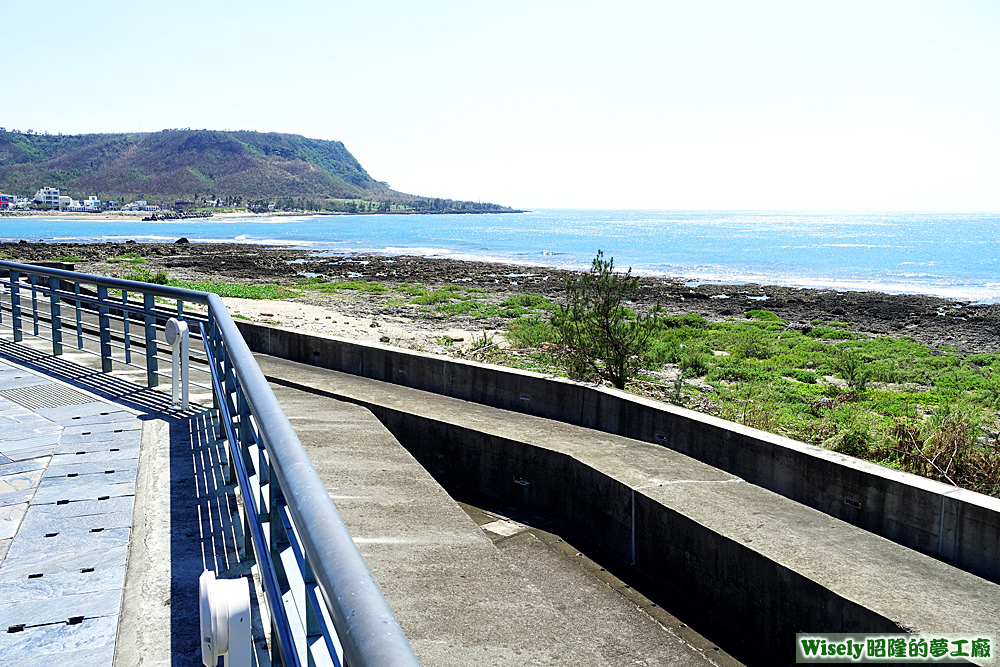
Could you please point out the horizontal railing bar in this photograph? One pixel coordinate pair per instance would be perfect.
(131, 307)
(163, 291)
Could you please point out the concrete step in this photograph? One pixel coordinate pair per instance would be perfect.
(765, 565)
(460, 598)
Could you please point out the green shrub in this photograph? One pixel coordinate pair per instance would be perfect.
(853, 369)
(730, 370)
(751, 344)
(801, 375)
(604, 337)
(664, 351)
(144, 275)
(851, 441)
(695, 364)
(693, 320)
(531, 332)
(765, 316)
(982, 359)
(831, 333)
(437, 296)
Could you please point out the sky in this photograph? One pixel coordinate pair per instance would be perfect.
(700, 104)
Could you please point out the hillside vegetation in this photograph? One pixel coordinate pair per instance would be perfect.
(193, 164)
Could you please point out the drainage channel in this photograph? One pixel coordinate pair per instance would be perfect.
(678, 617)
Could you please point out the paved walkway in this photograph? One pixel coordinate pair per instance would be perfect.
(183, 519)
(68, 463)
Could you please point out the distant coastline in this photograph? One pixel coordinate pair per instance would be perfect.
(118, 216)
(950, 255)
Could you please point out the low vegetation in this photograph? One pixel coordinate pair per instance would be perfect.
(601, 335)
(892, 401)
(238, 290)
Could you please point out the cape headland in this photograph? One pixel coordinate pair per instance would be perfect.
(187, 169)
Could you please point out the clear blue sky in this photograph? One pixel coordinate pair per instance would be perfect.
(692, 104)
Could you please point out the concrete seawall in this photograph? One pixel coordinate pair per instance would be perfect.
(958, 526)
(760, 565)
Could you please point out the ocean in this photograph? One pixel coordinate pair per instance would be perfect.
(944, 254)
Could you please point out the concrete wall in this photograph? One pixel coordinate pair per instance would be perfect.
(959, 526)
(750, 593)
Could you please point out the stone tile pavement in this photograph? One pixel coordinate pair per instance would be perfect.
(68, 464)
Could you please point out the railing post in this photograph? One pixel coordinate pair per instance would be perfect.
(125, 314)
(104, 324)
(314, 630)
(229, 383)
(152, 377)
(278, 543)
(15, 306)
(79, 317)
(33, 281)
(55, 315)
(243, 433)
(208, 340)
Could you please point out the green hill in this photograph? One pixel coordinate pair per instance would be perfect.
(182, 164)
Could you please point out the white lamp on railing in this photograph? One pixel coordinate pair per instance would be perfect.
(225, 620)
(176, 335)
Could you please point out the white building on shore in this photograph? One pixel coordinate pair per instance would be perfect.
(141, 205)
(47, 198)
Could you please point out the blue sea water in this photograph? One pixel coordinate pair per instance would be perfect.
(946, 254)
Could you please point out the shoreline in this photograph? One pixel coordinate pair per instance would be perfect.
(137, 216)
(938, 322)
(234, 227)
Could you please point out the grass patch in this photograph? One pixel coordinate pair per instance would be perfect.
(461, 308)
(355, 285)
(431, 298)
(238, 290)
(130, 258)
(529, 301)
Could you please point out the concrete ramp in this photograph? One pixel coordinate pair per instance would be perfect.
(765, 566)
(462, 598)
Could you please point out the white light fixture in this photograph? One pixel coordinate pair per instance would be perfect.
(176, 335)
(225, 620)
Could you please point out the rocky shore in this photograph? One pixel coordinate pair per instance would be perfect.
(936, 322)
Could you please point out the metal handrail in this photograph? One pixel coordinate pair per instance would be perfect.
(365, 626)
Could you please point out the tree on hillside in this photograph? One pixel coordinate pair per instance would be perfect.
(603, 337)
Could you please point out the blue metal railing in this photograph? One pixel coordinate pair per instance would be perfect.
(324, 606)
